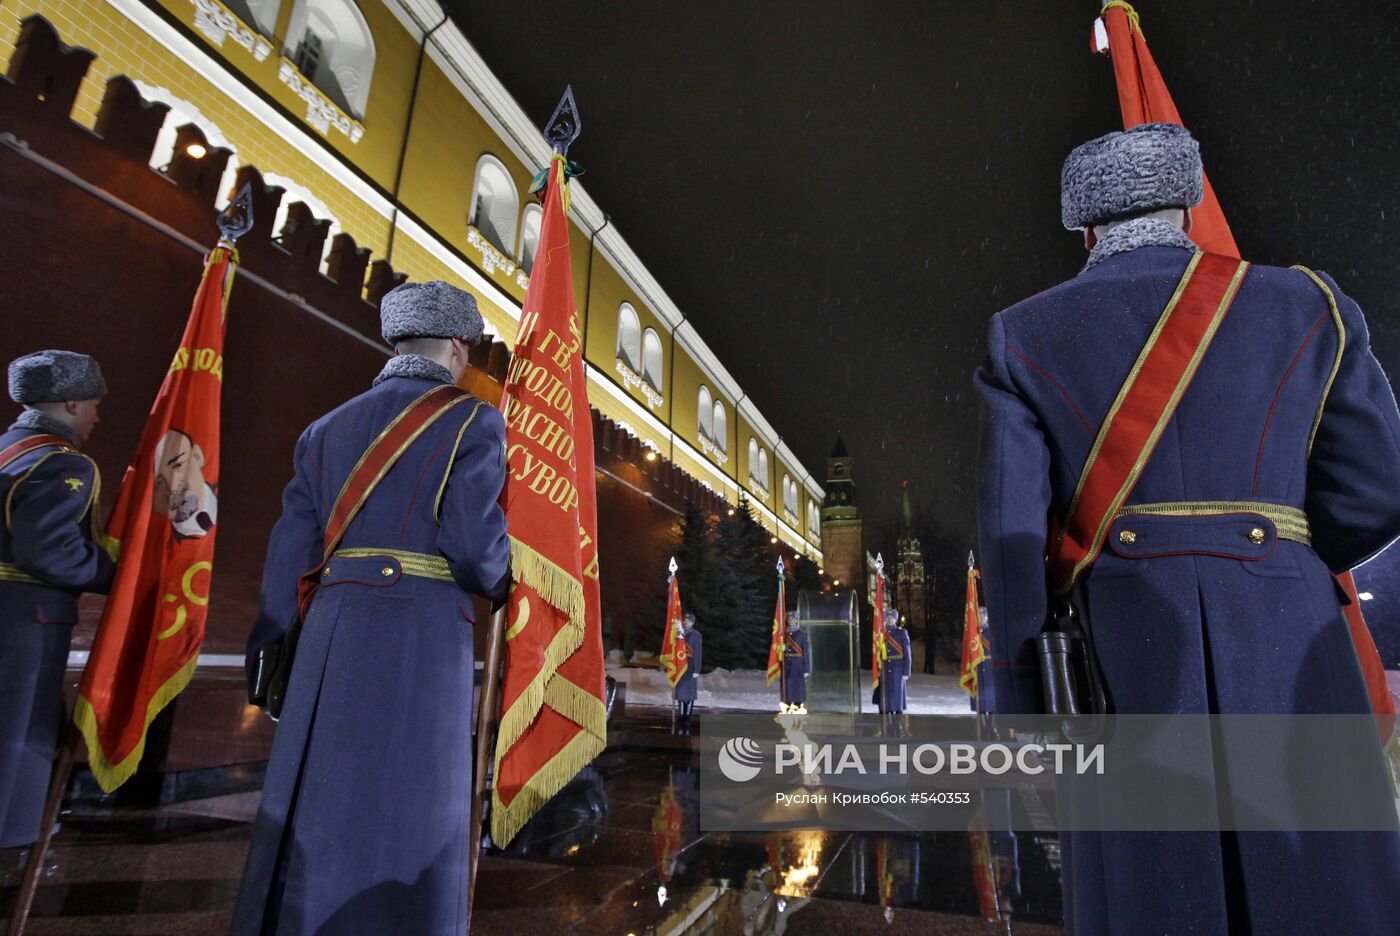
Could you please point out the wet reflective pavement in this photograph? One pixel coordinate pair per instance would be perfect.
(618, 851)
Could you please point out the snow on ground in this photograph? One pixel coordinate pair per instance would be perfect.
(938, 694)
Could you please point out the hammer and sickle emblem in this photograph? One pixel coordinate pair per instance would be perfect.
(186, 586)
(73, 483)
(521, 619)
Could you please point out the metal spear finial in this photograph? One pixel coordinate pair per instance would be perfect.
(880, 562)
(780, 565)
(970, 561)
(564, 125)
(237, 219)
(674, 567)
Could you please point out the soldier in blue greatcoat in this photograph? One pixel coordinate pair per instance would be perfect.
(796, 666)
(48, 556)
(892, 693)
(689, 686)
(1280, 466)
(363, 824)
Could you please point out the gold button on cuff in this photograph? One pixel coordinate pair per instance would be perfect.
(1127, 537)
(327, 571)
(386, 571)
(1257, 536)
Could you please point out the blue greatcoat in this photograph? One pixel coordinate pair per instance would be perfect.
(47, 558)
(363, 824)
(795, 667)
(690, 679)
(890, 694)
(1195, 617)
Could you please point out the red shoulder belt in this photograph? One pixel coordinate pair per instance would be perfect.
(29, 444)
(1144, 406)
(383, 452)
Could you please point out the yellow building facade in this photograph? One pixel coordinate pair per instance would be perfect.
(343, 103)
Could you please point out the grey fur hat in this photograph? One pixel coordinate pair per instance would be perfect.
(429, 310)
(55, 377)
(1151, 166)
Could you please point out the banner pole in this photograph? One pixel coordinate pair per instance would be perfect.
(58, 782)
(486, 716)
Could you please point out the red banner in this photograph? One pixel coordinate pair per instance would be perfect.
(877, 633)
(775, 646)
(553, 720)
(675, 652)
(974, 648)
(162, 533)
(1143, 97)
(666, 828)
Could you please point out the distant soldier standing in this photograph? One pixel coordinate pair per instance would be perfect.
(394, 509)
(49, 554)
(892, 692)
(1202, 567)
(689, 686)
(795, 663)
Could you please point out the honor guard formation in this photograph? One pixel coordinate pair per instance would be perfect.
(1183, 456)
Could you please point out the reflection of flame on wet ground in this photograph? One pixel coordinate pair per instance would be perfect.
(797, 879)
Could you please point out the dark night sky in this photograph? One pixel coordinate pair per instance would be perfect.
(839, 195)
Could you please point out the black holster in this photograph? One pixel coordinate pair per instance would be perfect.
(267, 683)
(1071, 682)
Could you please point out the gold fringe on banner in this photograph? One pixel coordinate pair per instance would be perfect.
(110, 776)
(564, 592)
(507, 821)
(556, 586)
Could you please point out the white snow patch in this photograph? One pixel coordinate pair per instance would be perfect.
(748, 690)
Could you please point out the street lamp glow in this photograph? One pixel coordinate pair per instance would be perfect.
(196, 151)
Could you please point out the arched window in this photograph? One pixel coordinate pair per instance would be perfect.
(259, 14)
(495, 204)
(629, 337)
(529, 236)
(753, 458)
(814, 521)
(789, 495)
(721, 429)
(183, 112)
(651, 359)
(705, 413)
(763, 467)
(330, 44)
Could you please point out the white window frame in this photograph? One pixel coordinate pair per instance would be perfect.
(629, 337)
(529, 237)
(352, 57)
(705, 413)
(653, 359)
(508, 211)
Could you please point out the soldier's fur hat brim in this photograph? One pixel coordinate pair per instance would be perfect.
(55, 377)
(1146, 168)
(429, 310)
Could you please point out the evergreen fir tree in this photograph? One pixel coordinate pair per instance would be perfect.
(750, 583)
(697, 573)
